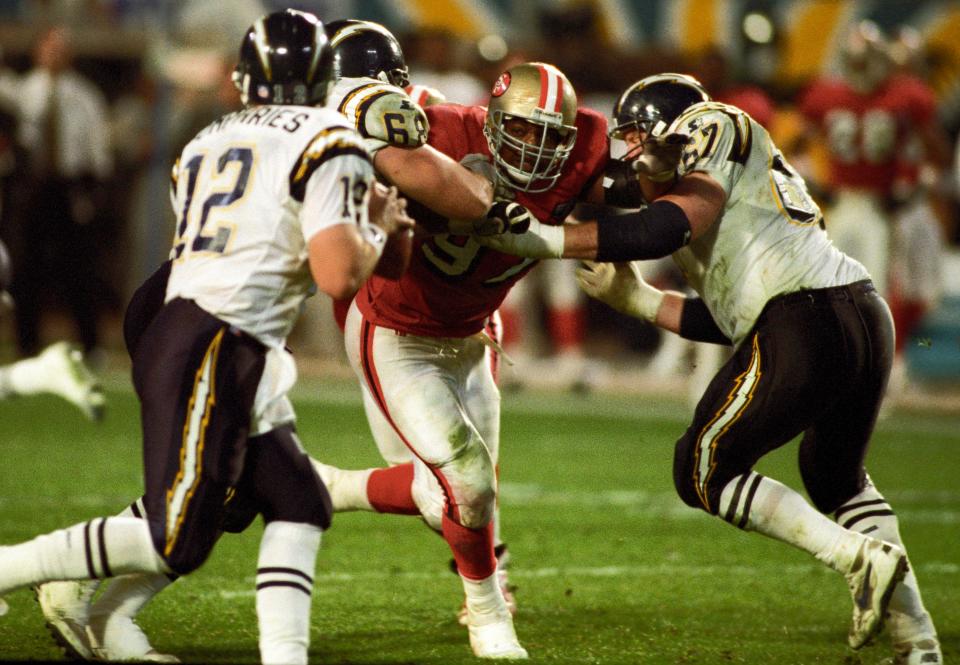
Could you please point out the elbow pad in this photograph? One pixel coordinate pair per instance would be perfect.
(658, 230)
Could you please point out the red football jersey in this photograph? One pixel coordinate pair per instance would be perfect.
(867, 134)
(453, 283)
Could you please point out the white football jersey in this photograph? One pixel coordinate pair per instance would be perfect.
(383, 114)
(769, 239)
(249, 191)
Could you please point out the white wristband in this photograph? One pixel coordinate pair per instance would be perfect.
(375, 236)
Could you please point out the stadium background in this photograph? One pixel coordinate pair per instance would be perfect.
(164, 67)
(611, 568)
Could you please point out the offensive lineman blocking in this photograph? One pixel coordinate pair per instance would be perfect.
(813, 340)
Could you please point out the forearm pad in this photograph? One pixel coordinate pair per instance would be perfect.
(658, 230)
(697, 324)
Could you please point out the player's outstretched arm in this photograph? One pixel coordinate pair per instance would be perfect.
(435, 180)
(622, 287)
(684, 213)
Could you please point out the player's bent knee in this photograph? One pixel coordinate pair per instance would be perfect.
(284, 482)
(477, 514)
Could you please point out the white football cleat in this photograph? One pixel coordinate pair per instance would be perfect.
(496, 640)
(66, 609)
(67, 375)
(4, 608)
(875, 573)
(116, 638)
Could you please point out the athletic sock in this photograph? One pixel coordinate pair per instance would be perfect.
(472, 549)
(870, 514)
(755, 503)
(102, 547)
(390, 490)
(485, 602)
(285, 569)
(347, 488)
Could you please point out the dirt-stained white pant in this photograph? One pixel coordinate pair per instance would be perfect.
(438, 397)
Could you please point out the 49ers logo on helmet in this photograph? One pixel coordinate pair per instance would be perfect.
(501, 85)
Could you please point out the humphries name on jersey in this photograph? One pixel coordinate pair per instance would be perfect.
(248, 264)
(750, 255)
(383, 114)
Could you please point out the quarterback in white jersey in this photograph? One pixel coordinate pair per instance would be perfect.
(290, 166)
(814, 340)
(270, 201)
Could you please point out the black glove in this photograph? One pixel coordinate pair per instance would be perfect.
(504, 217)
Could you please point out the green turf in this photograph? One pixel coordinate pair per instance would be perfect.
(610, 566)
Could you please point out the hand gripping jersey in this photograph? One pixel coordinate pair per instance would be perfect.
(868, 134)
(383, 114)
(769, 239)
(249, 191)
(453, 284)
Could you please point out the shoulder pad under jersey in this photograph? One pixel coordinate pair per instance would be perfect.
(386, 114)
(719, 133)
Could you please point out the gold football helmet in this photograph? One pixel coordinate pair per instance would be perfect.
(543, 97)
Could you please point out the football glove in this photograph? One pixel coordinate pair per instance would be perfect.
(539, 241)
(620, 286)
(503, 217)
(661, 156)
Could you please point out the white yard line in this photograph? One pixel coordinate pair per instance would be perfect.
(676, 571)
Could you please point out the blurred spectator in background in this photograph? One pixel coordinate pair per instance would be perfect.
(59, 370)
(714, 70)
(438, 60)
(65, 136)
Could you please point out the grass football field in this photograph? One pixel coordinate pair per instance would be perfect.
(610, 566)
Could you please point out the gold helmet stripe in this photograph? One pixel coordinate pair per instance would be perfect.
(352, 30)
(551, 89)
(263, 49)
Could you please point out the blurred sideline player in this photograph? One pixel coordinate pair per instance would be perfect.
(866, 118)
(813, 340)
(58, 370)
(418, 343)
(286, 166)
(367, 61)
(917, 243)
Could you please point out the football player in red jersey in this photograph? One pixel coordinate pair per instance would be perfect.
(418, 343)
(866, 118)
